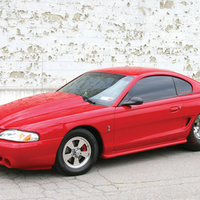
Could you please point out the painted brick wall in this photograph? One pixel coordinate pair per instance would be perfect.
(45, 43)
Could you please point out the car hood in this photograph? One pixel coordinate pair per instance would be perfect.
(42, 107)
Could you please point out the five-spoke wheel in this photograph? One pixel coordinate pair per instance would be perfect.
(77, 153)
(193, 139)
(196, 127)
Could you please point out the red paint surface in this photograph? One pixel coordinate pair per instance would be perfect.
(132, 128)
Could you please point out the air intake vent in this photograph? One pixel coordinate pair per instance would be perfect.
(188, 121)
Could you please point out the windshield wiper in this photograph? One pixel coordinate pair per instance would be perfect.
(88, 100)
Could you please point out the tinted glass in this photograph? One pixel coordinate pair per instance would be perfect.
(183, 87)
(153, 88)
(101, 88)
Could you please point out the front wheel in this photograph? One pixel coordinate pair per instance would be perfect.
(77, 153)
(193, 139)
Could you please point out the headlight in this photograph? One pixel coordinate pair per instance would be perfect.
(19, 136)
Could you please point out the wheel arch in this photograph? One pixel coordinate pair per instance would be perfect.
(193, 140)
(96, 134)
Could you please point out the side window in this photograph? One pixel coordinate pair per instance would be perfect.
(153, 88)
(182, 86)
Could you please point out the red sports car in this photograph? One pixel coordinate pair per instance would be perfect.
(107, 112)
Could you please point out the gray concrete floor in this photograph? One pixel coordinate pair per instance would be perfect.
(167, 173)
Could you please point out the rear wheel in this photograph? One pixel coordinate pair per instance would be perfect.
(193, 139)
(77, 153)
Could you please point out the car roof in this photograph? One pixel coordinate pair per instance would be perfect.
(130, 71)
(141, 72)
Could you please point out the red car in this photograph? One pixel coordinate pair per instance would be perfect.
(107, 112)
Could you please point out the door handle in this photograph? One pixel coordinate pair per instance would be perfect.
(174, 109)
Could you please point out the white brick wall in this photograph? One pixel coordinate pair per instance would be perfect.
(45, 43)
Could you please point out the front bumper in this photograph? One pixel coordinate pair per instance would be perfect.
(30, 155)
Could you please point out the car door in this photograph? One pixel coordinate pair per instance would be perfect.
(158, 120)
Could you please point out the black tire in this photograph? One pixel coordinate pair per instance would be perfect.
(77, 153)
(193, 139)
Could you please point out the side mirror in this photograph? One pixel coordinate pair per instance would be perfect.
(133, 101)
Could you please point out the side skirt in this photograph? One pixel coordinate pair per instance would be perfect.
(145, 148)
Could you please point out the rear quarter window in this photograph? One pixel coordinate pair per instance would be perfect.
(182, 86)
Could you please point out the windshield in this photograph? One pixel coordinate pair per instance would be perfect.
(97, 87)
